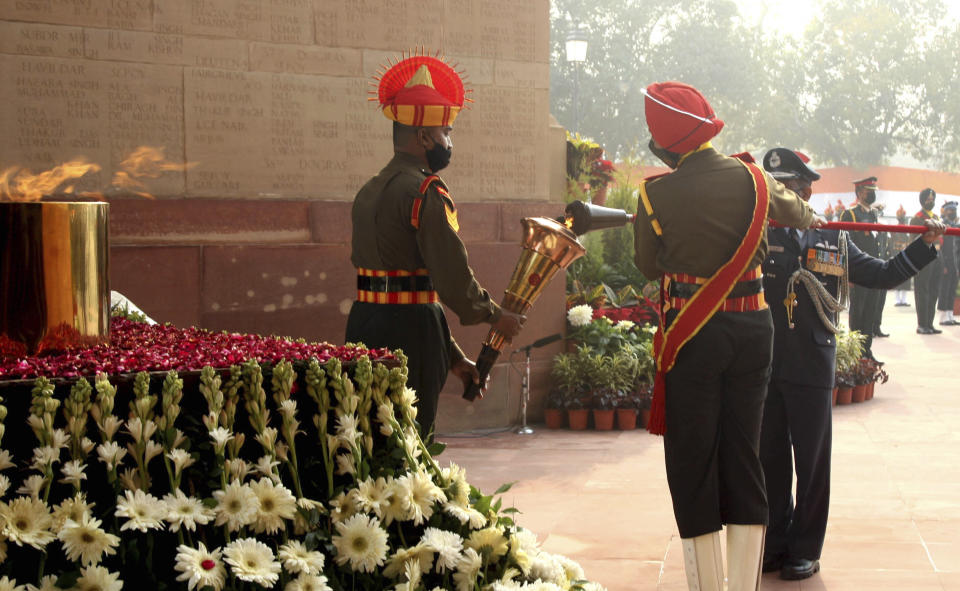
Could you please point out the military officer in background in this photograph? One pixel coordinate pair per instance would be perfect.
(950, 254)
(864, 301)
(926, 287)
(405, 246)
(700, 230)
(809, 269)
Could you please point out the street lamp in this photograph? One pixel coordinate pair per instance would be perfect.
(577, 54)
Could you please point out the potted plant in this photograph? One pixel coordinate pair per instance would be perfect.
(612, 376)
(568, 383)
(849, 353)
(572, 371)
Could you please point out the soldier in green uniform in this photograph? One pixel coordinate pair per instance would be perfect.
(405, 246)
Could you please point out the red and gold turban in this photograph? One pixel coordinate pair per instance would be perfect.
(679, 117)
(421, 90)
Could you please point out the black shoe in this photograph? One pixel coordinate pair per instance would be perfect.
(901, 304)
(934, 330)
(924, 330)
(772, 563)
(796, 569)
(949, 323)
(881, 334)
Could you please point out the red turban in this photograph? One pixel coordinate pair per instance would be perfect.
(679, 117)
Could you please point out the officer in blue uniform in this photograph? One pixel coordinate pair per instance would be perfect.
(796, 417)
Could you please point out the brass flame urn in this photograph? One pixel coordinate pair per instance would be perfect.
(54, 276)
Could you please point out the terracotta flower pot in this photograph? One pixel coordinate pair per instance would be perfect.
(577, 419)
(644, 418)
(626, 419)
(844, 395)
(956, 306)
(859, 393)
(870, 388)
(603, 419)
(554, 418)
(834, 396)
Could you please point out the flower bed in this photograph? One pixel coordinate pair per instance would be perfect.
(292, 466)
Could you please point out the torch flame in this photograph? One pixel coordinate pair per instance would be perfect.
(19, 184)
(146, 162)
(568, 222)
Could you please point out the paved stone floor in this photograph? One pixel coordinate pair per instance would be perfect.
(601, 497)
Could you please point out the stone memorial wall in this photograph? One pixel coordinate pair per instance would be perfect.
(267, 102)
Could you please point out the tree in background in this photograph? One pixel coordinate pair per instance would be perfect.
(868, 78)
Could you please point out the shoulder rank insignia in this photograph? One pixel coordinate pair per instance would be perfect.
(448, 205)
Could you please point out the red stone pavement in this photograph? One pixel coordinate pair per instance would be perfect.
(601, 497)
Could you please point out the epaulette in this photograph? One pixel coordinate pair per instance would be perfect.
(448, 205)
(744, 157)
(654, 177)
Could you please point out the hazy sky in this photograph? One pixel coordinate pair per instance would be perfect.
(791, 16)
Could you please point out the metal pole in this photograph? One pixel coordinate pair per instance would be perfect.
(523, 429)
(576, 97)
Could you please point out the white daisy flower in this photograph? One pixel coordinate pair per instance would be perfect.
(186, 512)
(345, 505)
(397, 504)
(73, 472)
(142, 510)
(468, 566)
(111, 454)
(455, 484)
(252, 561)
(97, 578)
(580, 315)
(277, 504)
(423, 494)
(32, 486)
(397, 564)
(26, 521)
(220, 437)
(362, 542)
(47, 583)
(181, 460)
(76, 508)
(625, 325)
(307, 582)
(236, 506)
(200, 567)
(372, 495)
(86, 542)
(446, 544)
(489, 542)
(297, 559)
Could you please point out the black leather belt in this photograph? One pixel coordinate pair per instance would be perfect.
(742, 289)
(394, 284)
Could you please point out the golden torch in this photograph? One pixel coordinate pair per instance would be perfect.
(548, 246)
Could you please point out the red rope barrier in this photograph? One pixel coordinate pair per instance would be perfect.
(864, 227)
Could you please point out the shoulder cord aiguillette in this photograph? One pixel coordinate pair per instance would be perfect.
(823, 301)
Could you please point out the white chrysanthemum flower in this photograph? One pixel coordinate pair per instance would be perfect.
(523, 548)
(251, 560)
(297, 559)
(236, 506)
(423, 494)
(465, 514)
(546, 568)
(186, 512)
(277, 504)
(580, 315)
(625, 325)
(86, 542)
(594, 587)
(4, 485)
(397, 564)
(200, 567)
(6, 460)
(97, 578)
(44, 456)
(26, 520)
(446, 544)
(372, 495)
(489, 542)
(456, 485)
(468, 566)
(181, 460)
(362, 542)
(571, 569)
(386, 417)
(47, 583)
(32, 486)
(73, 472)
(507, 585)
(220, 437)
(142, 510)
(76, 508)
(111, 454)
(308, 583)
(266, 466)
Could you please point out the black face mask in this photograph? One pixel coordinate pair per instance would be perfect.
(870, 197)
(669, 158)
(438, 157)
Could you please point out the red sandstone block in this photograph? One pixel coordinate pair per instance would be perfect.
(479, 222)
(511, 231)
(330, 222)
(201, 221)
(162, 281)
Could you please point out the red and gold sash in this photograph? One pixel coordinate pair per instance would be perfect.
(705, 302)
